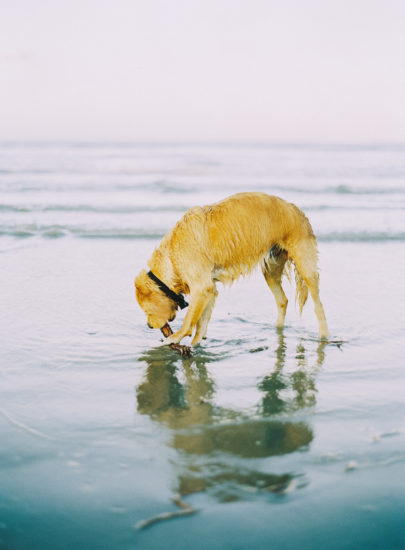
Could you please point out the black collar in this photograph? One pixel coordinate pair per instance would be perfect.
(178, 298)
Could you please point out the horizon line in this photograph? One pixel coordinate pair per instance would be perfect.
(203, 143)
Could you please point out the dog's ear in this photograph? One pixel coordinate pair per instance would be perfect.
(142, 287)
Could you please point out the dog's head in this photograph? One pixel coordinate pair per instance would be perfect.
(159, 309)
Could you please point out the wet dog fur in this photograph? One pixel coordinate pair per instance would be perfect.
(220, 243)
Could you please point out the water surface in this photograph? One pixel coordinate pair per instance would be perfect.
(274, 438)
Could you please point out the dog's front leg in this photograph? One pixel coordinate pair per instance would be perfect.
(201, 328)
(198, 302)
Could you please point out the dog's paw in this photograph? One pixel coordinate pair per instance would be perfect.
(172, 339)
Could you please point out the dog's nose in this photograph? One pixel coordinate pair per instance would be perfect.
(149, 325)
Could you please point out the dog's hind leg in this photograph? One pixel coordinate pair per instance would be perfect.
(305, 257)
(272, 269)
(201, 329)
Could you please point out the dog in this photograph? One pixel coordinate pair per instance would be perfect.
(219, 243)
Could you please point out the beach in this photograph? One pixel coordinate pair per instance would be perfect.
(264, 437)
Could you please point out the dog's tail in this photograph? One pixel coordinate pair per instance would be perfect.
(301, 290)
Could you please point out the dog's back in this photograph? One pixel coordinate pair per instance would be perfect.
(236, 233)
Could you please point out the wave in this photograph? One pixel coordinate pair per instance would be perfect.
(362, 237)
(175, 208)
(212, 186)
(98, 185)
(59, 231)
(102, 209)
(341, 189)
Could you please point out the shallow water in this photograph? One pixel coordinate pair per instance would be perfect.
(273, 438)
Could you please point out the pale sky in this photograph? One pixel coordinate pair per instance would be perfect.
(203, 70)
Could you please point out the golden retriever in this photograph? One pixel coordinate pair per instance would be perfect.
(219, 243)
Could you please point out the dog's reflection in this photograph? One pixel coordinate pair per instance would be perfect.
(291, 391)
(217, 446)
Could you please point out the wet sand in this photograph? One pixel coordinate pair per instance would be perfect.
(269, 435)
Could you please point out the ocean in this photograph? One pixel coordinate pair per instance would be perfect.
(264, 438)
